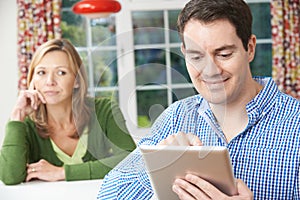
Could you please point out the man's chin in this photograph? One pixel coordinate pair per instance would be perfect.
(216, 99)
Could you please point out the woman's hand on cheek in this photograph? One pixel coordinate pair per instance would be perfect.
(27, 102)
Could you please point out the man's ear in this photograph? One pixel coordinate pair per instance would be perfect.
(182, 48)
(251, 47)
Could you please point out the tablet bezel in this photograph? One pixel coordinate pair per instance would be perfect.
(165, 163)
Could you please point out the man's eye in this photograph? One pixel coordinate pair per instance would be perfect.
(225, 55)
(194, 57)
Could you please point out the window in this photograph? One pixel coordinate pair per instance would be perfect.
(262, 64)
(96, 43)
(135, 55)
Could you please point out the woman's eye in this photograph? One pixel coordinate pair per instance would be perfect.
(40, 73)
(61, 73)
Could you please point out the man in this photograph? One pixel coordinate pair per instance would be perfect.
(258, 124)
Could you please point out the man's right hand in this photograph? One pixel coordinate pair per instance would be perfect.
(181, 139)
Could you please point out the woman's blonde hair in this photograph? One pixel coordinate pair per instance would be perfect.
(81, 110)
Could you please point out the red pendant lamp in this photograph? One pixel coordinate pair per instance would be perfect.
(96, 8)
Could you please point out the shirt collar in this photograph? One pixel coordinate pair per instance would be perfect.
(256, 108)
(264, 100)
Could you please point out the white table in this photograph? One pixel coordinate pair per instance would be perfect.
(61, 190)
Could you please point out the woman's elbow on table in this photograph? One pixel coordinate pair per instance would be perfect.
(11, 178)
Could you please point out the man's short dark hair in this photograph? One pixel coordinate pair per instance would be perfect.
(237, 12)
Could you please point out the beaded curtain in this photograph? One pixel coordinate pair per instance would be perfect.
(38, 22)
(286, 45)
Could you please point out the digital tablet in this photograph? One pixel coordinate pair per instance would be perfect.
(165, 163)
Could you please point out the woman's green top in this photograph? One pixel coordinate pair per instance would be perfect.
(108, 143)
(79, 151)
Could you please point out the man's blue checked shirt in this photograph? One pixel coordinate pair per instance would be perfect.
(266, 155)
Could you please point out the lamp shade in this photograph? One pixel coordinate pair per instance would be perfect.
(96, 8)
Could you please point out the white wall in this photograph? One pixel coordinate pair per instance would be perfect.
(8, 61)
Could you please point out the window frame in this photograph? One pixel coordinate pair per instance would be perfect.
(125, 51)
(128, 89)
(126, 47)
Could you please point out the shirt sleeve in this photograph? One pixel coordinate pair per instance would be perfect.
(128, 180)
(166, 124)
(297, 185)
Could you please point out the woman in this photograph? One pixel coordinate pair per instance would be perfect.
(56, 132)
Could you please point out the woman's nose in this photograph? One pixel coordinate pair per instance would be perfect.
(50, 79)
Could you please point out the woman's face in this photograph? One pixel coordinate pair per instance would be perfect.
(53, 77)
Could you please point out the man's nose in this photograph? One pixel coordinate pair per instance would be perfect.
(211, 68)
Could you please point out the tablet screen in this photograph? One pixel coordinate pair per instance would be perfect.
(165, 163)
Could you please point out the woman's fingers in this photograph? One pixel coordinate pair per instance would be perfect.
(31, 85)
(41, 97)
(36, 92)
(33, 167)
(35, 98)
(43, 170)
